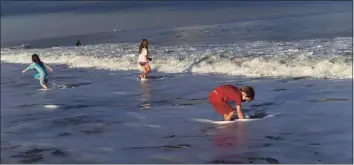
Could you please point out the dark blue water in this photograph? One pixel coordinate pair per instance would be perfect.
(223, 22)
(16, 8)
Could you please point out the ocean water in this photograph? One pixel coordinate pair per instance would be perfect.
(298, 61)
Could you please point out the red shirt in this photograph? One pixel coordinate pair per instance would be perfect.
(229, 93)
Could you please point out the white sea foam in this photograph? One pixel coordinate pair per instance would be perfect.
(329, 58)
(51, 106)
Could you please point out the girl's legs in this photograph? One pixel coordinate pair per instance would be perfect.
(44, 86)
(43, 81)
(147, 69)
(46, 82)
(142, 74)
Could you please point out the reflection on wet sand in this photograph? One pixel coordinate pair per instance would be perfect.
(146, 96)
(228, 139)
(230, 144)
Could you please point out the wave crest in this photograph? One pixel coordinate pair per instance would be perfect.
(224, 59)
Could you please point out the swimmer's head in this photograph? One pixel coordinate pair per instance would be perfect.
(144, 44)
(247, 93)
(36, 59)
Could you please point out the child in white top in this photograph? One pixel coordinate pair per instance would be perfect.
(143, 58)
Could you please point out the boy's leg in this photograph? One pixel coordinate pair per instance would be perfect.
(227, 110)
(229, 116)
(221, 107)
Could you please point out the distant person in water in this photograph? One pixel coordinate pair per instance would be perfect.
(40, 67)
(223, 94)
(78, 43)
(144, 59)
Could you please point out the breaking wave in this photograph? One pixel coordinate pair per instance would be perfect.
(321, 58)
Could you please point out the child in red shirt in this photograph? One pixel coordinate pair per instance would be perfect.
(225, 93)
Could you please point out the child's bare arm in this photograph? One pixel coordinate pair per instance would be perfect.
(239, 113)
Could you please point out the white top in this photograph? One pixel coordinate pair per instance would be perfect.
(143, 55)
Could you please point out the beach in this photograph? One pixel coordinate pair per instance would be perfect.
(98, 111)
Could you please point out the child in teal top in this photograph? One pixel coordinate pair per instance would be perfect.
(40, 67)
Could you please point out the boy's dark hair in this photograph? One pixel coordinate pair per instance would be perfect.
(249, 91)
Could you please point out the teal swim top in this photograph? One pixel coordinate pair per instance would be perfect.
(40, 69)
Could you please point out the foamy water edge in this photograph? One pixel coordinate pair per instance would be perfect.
(310, 58)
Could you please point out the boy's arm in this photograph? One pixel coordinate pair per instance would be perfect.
(237, 98)
(239, 113)
(49, 67)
